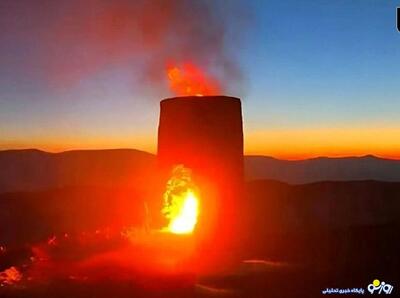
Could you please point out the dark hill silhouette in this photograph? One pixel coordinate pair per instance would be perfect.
(31, 170)
(28, 217)
(322, 169)
(344, 225)
(281, 207)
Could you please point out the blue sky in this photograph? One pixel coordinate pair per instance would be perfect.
(307, 66)
(324, 62)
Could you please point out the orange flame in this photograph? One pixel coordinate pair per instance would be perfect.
(10, 276)
(190, 80)
(181, 203)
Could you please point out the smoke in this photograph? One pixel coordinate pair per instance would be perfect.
(87, 37)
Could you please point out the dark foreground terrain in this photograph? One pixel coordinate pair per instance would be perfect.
(295, 241)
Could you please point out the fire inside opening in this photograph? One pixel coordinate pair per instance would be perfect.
(181, 202)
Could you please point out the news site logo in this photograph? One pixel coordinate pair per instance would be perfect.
(379, 286)
(376, 287)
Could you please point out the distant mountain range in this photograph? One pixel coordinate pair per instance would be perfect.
(322, 169)
(30, 170)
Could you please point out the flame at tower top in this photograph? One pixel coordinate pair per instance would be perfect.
(189, 79)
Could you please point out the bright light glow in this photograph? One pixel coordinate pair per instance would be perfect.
(181, 203)
(186, 219)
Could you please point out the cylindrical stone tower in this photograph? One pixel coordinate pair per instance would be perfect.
(205, 134)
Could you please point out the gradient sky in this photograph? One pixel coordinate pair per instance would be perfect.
(321, 78)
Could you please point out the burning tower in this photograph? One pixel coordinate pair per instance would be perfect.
(204, 133)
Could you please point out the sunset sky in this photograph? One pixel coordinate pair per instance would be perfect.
(320, 78)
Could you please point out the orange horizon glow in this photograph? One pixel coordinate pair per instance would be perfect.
(390, 154)
(288, 144)
(304, 143)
